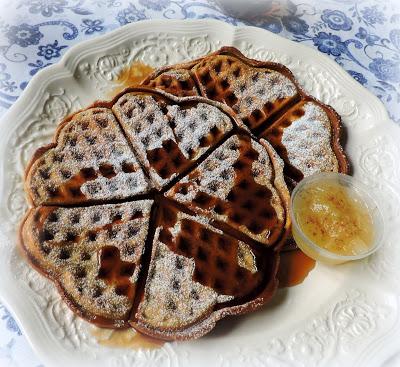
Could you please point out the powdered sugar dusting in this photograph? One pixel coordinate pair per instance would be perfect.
(175, 230)
(146, 126)
(256, 88)
(193, 124)
(119, 185)
(178, 74)
(277, 161)
(205, 221)
(70, 250)
(308, 142)
(144, 121)
(72, 243)
(215, 176)
(91, 140)
(261, 168)
(263, 174)
(163, 307)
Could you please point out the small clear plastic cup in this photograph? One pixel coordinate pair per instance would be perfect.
(353, 187)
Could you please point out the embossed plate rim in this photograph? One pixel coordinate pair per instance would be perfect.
(20, 300)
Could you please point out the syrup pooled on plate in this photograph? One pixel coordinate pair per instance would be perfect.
(131, 76)
(334, 218)
(127, 338)
(294, 267)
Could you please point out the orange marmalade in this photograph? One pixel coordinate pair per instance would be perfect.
(334, 218)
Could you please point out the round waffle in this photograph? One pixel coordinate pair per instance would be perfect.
(181, 214)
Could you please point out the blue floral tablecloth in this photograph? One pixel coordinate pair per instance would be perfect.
(362, 36)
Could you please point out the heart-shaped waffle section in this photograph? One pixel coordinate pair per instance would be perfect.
(255, 94)
(235, 185)
(169, 267)
(93, 253)
(169, 137)
(196, 270)
(319, 148)
(90, 160)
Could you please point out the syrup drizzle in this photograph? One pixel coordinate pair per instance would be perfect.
(168, 159)
(215, 255)
(114, 271)
(294, 267)
(274, 135)
(131, 76)
(258, 214)
(128, 338)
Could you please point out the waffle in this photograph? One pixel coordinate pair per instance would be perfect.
(240, 186)
(144, 257)
(263, 94)
(319, 148)
(255, 90)
(167, 136)
(90, 160)
(198, 274)
(269, 101)
(93, 253)
(178, 82)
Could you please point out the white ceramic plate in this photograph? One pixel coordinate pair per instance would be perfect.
(345, 315)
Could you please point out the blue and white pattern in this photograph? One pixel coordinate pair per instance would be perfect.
(14, 350)
(362, 36)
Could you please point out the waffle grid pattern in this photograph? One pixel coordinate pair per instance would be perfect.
(96, 253)
(264, 95)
